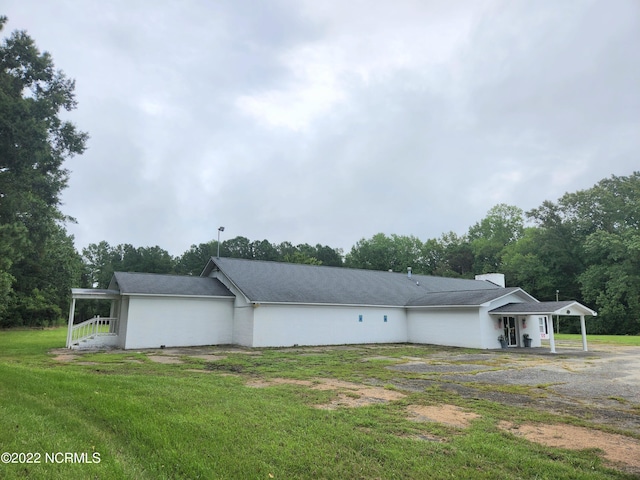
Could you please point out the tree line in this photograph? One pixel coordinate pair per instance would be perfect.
(585, 246)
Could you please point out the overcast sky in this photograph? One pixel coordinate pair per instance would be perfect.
(330, 121)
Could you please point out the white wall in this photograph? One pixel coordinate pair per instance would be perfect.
(243, 325)
(123, 318)
(455, 327)
(287, 325)
(242, 330)
(489, 323)
(178, 321)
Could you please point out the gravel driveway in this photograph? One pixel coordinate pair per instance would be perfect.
(602, 385)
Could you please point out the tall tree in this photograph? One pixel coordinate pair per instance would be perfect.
(612, 281)
(524, 266)
(34, 143)
(457, 260)
(559, 247)
(194, 260)
(382, 252)
(328, 256)
(102, 260)
(503, 225)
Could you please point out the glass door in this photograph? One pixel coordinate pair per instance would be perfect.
(510, 333)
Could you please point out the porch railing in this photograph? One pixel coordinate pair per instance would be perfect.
(94, 327)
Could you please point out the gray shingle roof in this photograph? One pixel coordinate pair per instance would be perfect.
(263, 281)
(155, 284)
(533, 307)
(463, 297)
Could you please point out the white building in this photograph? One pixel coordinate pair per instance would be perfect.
(270, 304)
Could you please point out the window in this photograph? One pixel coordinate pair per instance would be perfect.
(359, 318)
(544, 327)
(385, 319)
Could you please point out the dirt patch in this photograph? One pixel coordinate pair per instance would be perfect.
(380, 358)
(350, 395)
(618, 449)
(222, 367)
(240, 350)
(165, 359)
(447, 414)
(209, 358)
(65, 357)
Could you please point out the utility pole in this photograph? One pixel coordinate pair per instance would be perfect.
(558, 319)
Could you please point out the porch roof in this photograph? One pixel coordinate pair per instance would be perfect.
(567, 307)
(94, 294)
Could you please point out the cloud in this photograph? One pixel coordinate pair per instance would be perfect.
(327, 122)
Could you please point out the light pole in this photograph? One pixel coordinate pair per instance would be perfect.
(220, 229)
(557, 319)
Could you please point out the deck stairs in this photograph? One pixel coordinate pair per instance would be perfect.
(96, 332)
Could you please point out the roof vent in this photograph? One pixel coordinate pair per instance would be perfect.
(409, 272)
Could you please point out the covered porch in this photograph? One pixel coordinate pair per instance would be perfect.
(97, 331)
(543, 313)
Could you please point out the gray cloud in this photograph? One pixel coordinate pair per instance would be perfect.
(322, 122)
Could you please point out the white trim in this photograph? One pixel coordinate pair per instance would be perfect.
(258, 303)
(560, 311)
(164, 295)
(446, 306)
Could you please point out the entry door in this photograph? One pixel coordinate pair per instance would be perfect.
(510, 331)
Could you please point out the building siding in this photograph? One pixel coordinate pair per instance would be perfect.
(455, 327)
(178, 321)
(288, 325)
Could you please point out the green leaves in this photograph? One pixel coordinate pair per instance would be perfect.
(41, 263)
(612, 280)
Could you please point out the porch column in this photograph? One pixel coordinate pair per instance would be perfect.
(72, 311)
(583, 330)
(552, 341)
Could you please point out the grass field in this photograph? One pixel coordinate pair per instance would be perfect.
(633, 340)
(199, 419)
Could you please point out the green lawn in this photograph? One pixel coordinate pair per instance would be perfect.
(633, 340)
(144, 420)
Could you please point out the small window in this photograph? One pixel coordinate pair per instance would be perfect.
(359, 318)
(385, 319)
(544, 327)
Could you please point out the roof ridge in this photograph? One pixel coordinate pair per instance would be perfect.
(180, 275)
(307, 265)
